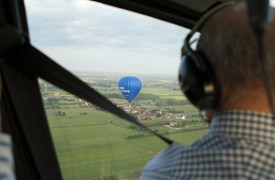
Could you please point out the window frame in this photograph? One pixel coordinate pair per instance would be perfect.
(22, 108)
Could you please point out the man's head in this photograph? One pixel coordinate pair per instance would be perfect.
(228, 42)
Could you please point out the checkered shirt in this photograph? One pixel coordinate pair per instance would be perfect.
(238, 145)
(6, 158)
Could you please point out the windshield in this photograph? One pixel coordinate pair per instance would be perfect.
(109, 48)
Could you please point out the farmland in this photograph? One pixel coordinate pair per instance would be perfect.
(94, 144)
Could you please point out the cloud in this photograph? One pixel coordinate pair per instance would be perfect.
(83, 34)
(90, 23)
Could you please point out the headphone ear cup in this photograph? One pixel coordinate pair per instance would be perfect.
(198, 83)
(190, 81)
(196, 75)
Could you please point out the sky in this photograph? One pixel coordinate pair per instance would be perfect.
(89, 36)
(84, 35)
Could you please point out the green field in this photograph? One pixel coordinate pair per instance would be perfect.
(94, 144)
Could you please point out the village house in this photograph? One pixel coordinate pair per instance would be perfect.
(146, 115)
(134, 111)
(167, 115)
(181, 116)
(172, 124)
(156, 111)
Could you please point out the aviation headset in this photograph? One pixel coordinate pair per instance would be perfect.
(196, 75)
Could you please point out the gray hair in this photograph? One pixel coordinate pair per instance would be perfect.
(229, 43)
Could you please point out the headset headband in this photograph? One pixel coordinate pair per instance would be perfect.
(187, 48)
(203, 19)
(197, 77)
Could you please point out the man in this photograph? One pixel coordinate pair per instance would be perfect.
(240, 143)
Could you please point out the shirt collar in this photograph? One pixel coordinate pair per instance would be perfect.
(245, 125)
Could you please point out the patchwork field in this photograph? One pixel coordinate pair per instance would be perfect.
(94, 144)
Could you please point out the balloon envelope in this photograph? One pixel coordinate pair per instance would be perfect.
(129, 86)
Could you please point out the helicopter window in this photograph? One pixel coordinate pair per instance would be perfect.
(106, 47)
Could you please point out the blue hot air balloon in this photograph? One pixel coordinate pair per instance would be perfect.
(129, 86)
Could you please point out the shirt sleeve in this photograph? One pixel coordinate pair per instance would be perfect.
(6, 158)
(164, 165)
